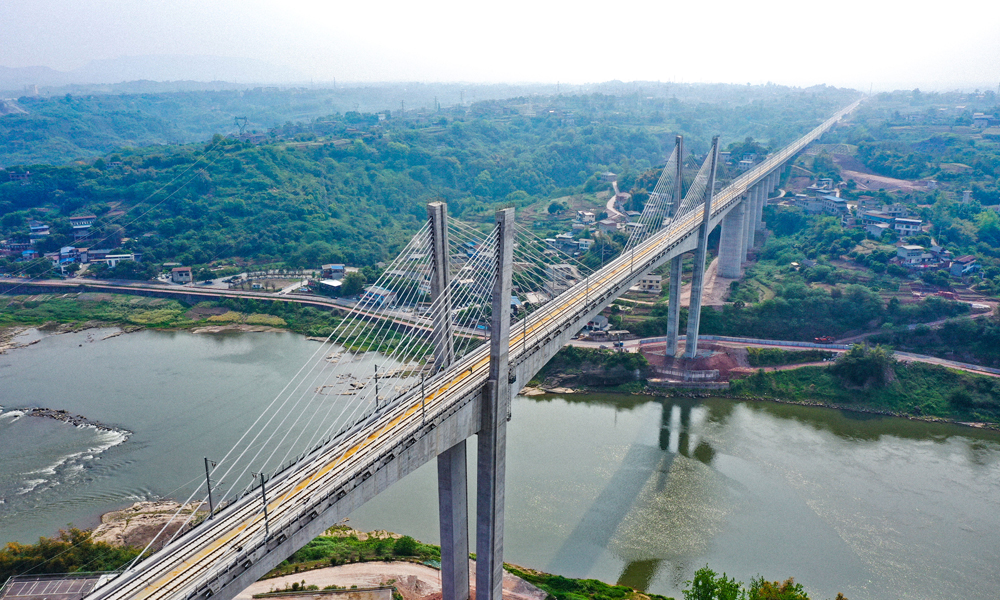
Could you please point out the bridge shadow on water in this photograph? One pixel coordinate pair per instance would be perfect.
(644, 466)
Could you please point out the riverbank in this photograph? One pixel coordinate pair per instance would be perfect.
(141, 524)
(79, 311)
(922, 391)
(344, 557)
(911, 389)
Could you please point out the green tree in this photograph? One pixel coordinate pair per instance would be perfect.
(760, 589)
(863, 366)
(353, 283)
(708, 585)
(70, 551)
(405, 546)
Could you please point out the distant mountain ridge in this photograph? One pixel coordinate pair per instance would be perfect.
(155, 68)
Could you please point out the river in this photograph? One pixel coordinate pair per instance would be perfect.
(627, 489)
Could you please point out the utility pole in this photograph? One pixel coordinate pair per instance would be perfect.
(263, 495)
(208, 482)
(376, 387)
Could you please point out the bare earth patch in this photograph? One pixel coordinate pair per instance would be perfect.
(139, 523)
(413, 581)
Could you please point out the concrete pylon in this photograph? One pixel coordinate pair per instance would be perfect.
(453, 485)
(674, 305)
(731, 248)
(698, 279)
(444, 349)
(674, 291)
(492, 437)
(678, 175)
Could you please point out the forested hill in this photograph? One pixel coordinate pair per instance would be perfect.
(353, 189)
(85, 122)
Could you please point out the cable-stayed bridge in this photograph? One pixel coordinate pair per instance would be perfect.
(430, 357)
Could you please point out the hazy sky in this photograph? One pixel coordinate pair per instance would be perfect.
(891, 44)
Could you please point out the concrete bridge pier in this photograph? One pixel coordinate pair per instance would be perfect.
(759, 210)
(731, 246)
(759, 217)
(698, 277)
(674, 305)
(492, 436)
(752, 197)
(453, 485)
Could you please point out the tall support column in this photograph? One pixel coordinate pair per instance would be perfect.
(674, 306)
(751, 202)
(492, 437)
(453, 485)
(758, 222)
(698, 279)
(453, 515)
(731, 248)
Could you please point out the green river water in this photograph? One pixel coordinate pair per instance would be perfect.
(628, 489)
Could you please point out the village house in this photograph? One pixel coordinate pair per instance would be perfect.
(964, 265)
(906, 227)
(334, 271)
(379, 297)
(37, 229)
(112, 260)
(914, 256)
(876, 230)
(608, 226)
(651, 284)
(836, 206)
(598, 323)
(180, 275)
(16, 246)
(895, 209)
(81, 225)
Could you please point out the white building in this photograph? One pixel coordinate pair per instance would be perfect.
(907, 226)
(651, 284)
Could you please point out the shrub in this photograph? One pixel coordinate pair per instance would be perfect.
(863, 366)
(405, 546)
(229, 317)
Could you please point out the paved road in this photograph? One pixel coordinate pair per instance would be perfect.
(932, 324)
(633, 346)
(611, 208)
